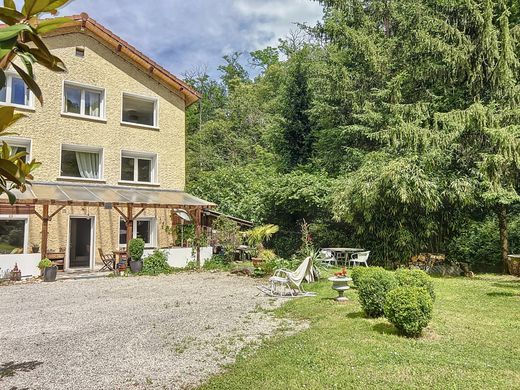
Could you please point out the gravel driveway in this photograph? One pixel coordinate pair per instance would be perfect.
(168, 332)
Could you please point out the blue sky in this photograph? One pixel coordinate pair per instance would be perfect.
(197, 33)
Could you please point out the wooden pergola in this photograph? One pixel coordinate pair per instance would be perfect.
(129, 202)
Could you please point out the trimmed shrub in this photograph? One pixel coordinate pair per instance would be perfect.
(359, 272)
(415, 278)
(156, 263)
(409, 309)
(372, 290)
(45, 263)
(136, 248)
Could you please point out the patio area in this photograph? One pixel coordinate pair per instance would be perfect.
(140, 332)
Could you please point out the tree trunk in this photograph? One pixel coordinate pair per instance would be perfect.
(502, 226)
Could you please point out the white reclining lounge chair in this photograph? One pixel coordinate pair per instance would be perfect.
(286, 283)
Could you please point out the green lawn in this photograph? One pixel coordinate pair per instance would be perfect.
(473, 342)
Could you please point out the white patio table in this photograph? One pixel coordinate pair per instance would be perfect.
(343, 254)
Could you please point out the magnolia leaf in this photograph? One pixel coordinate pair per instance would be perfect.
(33, 7)
(45, 26)
(28, 60)
(29, 36)
(6, 47)
(29, 81)
(10, 4)
(54, 5)
(10, 32)
(10, 16)
(10, 171)
(10, 195)
(53, 63)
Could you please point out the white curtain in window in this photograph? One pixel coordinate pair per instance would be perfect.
(88, 165)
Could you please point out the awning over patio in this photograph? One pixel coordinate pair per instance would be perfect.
(65, 194)
(129, 202)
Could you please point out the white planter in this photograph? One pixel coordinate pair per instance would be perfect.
(180, 257)
(28, 264)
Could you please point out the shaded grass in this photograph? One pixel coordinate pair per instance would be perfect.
(472, 342)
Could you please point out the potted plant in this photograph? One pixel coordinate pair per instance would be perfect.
(136, 249)
(35, 248)
(49, 270)
(256, 238)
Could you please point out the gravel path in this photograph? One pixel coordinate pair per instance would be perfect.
(167, 332)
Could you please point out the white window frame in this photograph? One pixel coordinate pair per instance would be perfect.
(153, 99)
(87, 149)
(19, 142)
(9, 86)
(84, 88)
(153, 231)
(153, 157)
(21, 217)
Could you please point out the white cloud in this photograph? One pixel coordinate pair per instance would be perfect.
(181, 35)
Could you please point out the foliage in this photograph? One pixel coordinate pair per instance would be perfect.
(20, 42)
(372, 290)
(415, 278)
(387, 125)
(45, 263)
(358, 273)
(217, 262)
(479, 245)
(155, 264)
(409, 309)
(228, 235)
(136, 248)
(259, 235)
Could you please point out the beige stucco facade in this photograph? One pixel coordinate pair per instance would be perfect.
(49, 128)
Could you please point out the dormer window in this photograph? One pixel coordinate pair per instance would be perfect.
(84, 101)
(15, 93)
(139, 110)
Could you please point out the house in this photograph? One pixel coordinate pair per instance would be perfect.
(111, 140)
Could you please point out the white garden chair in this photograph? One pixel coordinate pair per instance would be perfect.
(289, 283)
(359, 258)
(326, 257)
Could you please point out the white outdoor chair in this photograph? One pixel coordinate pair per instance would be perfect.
(326, 257)
(289, 283)
(359, 258)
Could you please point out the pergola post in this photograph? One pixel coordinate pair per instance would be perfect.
(174, 227)
(45, 231)
(198, 228)
(129, 227)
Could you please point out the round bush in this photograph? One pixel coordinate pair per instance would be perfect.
(409, 309)
(156, 263)
(372, 290)
(136, 248)
(360, 272)
(415, 278)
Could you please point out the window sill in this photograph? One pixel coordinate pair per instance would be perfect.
(67, 178)
(84, 117)
(130, 124)
(138, 183)
(18, 106)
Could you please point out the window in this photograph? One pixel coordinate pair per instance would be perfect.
(18, 145)
(143, 228)
(137, 167)
(83, 101)
(80, 52)
(139, 110)
(15, 92)
(81, 162)
(13, 235)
